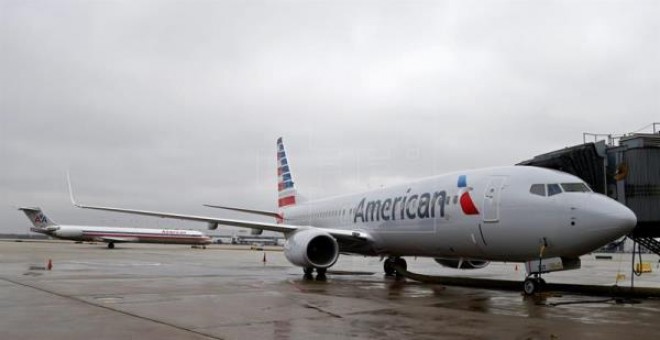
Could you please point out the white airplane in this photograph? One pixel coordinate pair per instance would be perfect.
(111, 235)
(543, 218)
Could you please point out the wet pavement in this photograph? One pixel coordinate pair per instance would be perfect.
(175, 292)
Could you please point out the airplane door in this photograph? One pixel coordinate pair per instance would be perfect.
(491, 208)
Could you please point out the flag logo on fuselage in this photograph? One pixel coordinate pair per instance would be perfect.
(467, 204)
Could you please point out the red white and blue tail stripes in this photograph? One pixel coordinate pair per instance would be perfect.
(285, 187)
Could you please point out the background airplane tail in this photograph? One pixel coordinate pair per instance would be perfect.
(38, 218)
(287, 193)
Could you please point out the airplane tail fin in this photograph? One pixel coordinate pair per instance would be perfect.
(38, 218)
(287, 193)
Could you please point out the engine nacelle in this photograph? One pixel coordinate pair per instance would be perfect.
(461, 263)
(311, 248)
(68, 233)
(212, 225)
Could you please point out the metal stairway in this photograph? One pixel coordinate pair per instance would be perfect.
(649, 243)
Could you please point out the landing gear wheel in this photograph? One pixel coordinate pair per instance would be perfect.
(533, 285)
(320, 274)
(308, 273)
(111, 245)
(402, 264)
(388, 267)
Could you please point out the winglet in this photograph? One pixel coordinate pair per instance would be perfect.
(68, 181)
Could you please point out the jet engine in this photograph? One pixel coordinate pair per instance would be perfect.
(461, 263)
(311, 248)
(68, 233)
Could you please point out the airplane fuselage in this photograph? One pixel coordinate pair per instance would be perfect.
(113, 234)
(489, 214)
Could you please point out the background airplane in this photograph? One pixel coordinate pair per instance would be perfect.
(111, 235)
(543, 218)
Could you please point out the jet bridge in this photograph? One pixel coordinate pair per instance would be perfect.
(626, 168)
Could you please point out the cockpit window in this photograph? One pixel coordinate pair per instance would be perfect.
(575, 187)
(537, 189)
(553, 189)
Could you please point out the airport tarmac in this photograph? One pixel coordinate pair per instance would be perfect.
(226, 292)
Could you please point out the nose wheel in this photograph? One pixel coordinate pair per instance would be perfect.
(533, 285)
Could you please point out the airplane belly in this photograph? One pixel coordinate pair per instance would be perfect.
(462, 240)
(400, 238)
(433, 240)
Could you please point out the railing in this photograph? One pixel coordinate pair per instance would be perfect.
(613, 139)
(649, 243)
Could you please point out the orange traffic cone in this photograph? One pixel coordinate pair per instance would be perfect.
(50, 264)
(264, 259)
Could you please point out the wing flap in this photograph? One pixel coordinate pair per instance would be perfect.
(247, 211)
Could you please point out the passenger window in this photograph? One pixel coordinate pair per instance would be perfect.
(553, 189)
(538, 189)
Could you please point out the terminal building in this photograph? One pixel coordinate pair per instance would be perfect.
(626, 168)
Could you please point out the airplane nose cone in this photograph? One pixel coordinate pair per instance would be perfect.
(609, 218)
(625, 219)
(618, 219)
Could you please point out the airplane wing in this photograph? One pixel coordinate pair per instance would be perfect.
(214, 221)
(340, 234)
(283, 228)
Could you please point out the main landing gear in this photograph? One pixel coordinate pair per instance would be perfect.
(391, 263)
(533, 284)
(320, 273)
(111, 245)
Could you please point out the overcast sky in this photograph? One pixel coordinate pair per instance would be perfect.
(167, 105)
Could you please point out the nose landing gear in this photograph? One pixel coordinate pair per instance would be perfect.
(533, 284)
